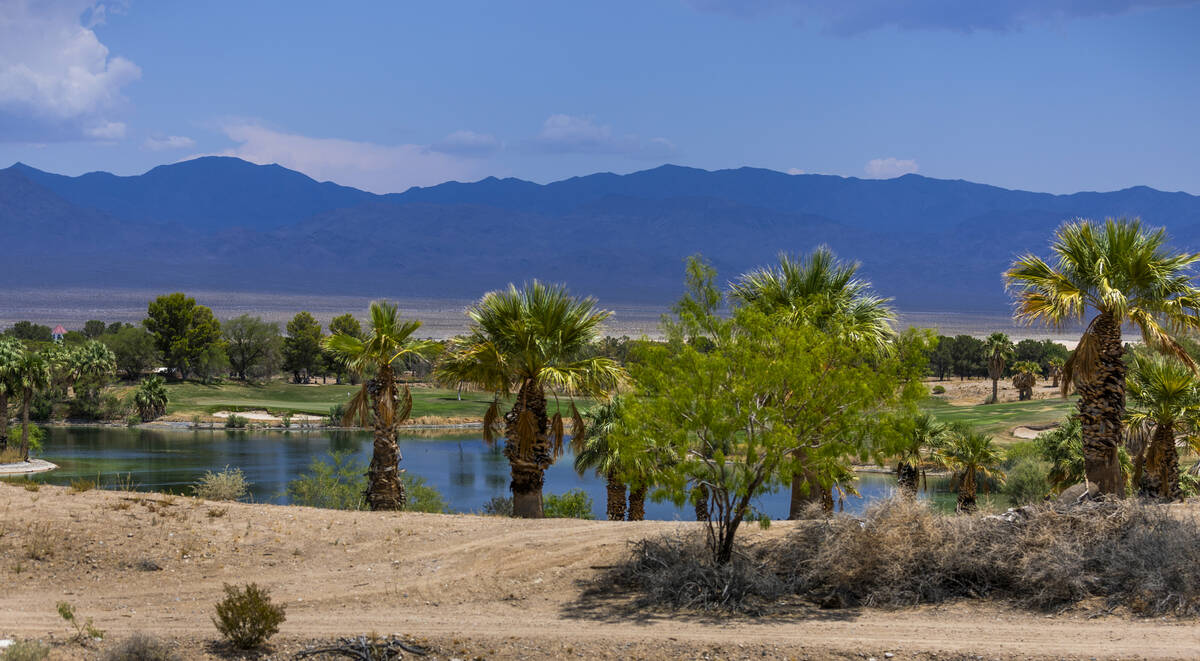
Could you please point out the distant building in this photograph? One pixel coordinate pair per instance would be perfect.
(58, 333)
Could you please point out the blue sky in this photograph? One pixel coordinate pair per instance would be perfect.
(1044, 95)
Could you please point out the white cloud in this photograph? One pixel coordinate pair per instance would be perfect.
(795, 171)
(373, 167)
(573, 134)
(169, 142)
(886, 168)
(57, 81)
(467, 143)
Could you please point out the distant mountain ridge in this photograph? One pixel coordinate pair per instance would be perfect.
(224, 223)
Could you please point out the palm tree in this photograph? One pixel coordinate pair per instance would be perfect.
(973, 457)
(1165, 393)
(10, 358)
(825, 292)
(1126, 273)
(523, 342)
(91, 365)
(32, 375)
(1054, 367)
(150, 398)
(997, 350)
(596, 453)
(1025, 378)
(921, 435)
(387, 340)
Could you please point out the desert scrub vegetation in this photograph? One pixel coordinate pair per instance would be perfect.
(574, 504)
(338, 481)
(142, 647)
(228, 484)
(1142, 557)
(246, 617)
(26, 650)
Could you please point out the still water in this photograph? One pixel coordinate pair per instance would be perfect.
(461, 466)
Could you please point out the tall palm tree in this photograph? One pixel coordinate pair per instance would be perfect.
(1165, 393)
(32, 375)
(1126, 274)
(972, 456)
(921, 435)
(522, 343)
(1054, 367)
(10, 358)
(91, 366)
(620, 470)
(387, 340)
(997, 351)
(825, 292)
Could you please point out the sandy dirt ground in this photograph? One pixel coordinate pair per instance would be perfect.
(464, 586)
(978, 391)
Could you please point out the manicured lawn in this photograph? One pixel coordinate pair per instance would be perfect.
(278, 397)
(1000, 419)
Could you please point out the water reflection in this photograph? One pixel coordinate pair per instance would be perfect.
(467, 471)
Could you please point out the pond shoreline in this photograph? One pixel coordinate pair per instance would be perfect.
(31, 467)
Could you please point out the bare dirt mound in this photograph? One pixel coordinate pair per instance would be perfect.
(467, 586)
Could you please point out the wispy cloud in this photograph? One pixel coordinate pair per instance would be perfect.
(374, 167)
(574, 134)
(57, 81)
(886, 168)
(468, 143)
(169, 142)
(848, 18)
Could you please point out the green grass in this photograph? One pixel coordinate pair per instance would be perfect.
(1000, 419)
(279, 397)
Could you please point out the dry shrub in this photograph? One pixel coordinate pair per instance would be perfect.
(142, 647)
(229, 484)
(901, 553)
(40, 541)
(247, 617)
(26, 650)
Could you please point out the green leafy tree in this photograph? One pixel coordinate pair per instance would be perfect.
(344, 324)
(31, 376)
(302, 347)
(941, 359)
(621, 472)
(1125, 273)
(93, 329)
(968, 357)
(997, 351)
(726, 418)
(184, 332)
(11, 353)
(524, 342)
(824, 292)
(134, 349)
(1164, 393)
(253, 345)
(29, 331)
(388, 339)
(973, 457)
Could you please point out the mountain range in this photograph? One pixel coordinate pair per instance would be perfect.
(226, 224)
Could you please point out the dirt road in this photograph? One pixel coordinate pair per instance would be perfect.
(467, 586)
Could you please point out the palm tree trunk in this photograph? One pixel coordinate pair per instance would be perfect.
(616, 498)
(25, 424)
(966, 493)
(637, 503)
(528, 470)
(1160, 479)
(700, 503)
(385, 491)
(906, 478)
(1101, 410)
(995, 389)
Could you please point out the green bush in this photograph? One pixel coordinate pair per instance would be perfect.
(1027, 481)
(939, 390)
(421, 497)
(26, 650)
(229, 484)
(336, 413)
(574, 504)
(1018, 451)
(141, 647)
(498, 506)
(246, 617)
(336, 483)
(235, 421)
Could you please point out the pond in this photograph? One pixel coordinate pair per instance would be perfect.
(461, 466)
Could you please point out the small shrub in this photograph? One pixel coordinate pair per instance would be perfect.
(31, 485)
(421, 497)
(217, 512)
(939, 390)
(246, 617)
(82, 484)
(133, 420)
(142, 647)
(196, 419)
(10, 455)
(26, 650)
(574, 504)
(286, 420)
(84, 631)
(335, 483)
(229, 484)
(499, 506)
(1026, 482)
(336, 413)
(235, 421)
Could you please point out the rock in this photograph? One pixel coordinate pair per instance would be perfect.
(1071, 494)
